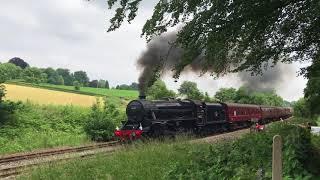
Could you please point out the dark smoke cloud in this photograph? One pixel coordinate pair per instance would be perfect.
(271, 78)
(161, 53)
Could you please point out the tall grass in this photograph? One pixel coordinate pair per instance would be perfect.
(239, 159)
(143, 161)
(43, 126)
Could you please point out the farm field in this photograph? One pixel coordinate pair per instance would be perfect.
(128, 94)
(44, 96)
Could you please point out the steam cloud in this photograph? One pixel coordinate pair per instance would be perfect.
(162, 53)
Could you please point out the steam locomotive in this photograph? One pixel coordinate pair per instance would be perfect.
(172, 116)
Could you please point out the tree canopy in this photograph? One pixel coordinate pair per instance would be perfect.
(19, 62)
(190, 90)
(226, 95)
(159, 90)
(232, 36)
(312, 91)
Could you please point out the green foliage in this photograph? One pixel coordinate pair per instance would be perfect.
(242, 95)
(312, 91)
(2, 92)
(19, 62)
(159, 90)
(81, 77)
(76, 85)
(239, 159)
(207, 98)
(60, 80)
(132, 86)
(226, 95)
(244, 157)
(266, 98)
(101, 84)
(301, 108)
(102, 121)
(33, 126)
(9, 71)
(190, 90)
(66, 75)
(107, 85)
(142, 161)
(33, 75)
(235, 35)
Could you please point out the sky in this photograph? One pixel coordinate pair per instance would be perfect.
(72, 34)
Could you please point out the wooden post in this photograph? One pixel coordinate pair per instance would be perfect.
(277, 158)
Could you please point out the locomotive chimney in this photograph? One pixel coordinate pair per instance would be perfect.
(142, 96)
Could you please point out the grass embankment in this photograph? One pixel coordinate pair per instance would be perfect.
(239, 159)
(35, 126)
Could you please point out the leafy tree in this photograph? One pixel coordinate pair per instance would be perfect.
(102, 84)
(107, 85)
(233, 35)
(44, 77)
(207, 98)
(312, 91)
(81, 77)
(226, 95)
(60, 80)
(266, 98)
(2, 92)
(101, 123)
(243, 95)
(32, 75)
(76, 85)
(301, 108)
(93, 83)
(159, 90)
(190, 90)
(9, 71)
(52, 75)
(134, 86)
(19, 62)
(67, 76)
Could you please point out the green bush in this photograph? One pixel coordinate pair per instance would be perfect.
(244, 157)
(102, 121)
(76, 85)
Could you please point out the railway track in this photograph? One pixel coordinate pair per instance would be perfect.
(13, 165)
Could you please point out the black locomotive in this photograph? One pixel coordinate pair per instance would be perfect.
(171, 116)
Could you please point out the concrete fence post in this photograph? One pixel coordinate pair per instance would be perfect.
(277, 158)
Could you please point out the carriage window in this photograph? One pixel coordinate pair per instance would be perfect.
(234, 113)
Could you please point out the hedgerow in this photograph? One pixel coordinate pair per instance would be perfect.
(249, 156)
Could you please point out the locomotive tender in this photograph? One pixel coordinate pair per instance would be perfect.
(171, 116)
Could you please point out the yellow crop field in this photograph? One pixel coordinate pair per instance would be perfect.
(44, 96)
